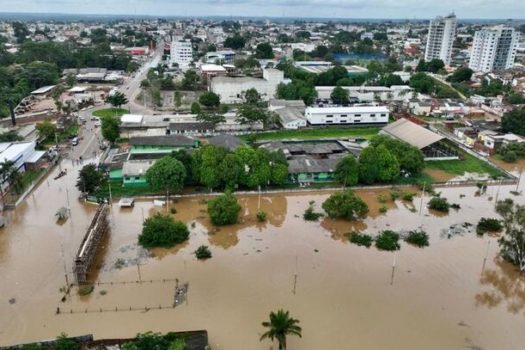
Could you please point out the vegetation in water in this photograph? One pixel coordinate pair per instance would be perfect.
(345, 205)
(203, 252)
(224, 209)
(261, 216)
(387, 240)
(361, 239)
(162, 231)
(439, 204)
(488, 225)
(419, 238)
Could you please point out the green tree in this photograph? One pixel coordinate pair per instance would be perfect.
(410, 159)
(191, 80)
(368, 165)
(512, 243)
(89, 179)
(230, 170)
(339, 95)
(235, 42)
(461, 74)
(280, 326)
(252, 97)
(117, 99)
(210, 99)
(110, 128)
(166, 174)
(185, 158)
(279, 174)
(347, 171)
(422, 83)
(224, 209)
(250, 114)
(162, 231)
(195, 108)
(514, 121)
(345, 205)
(388, 165)
(46, 130)
(264, 51)
(206, 165)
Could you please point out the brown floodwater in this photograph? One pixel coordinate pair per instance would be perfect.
(346, 297)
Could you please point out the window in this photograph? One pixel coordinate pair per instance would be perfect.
(330, 116)
(128, 178)
(329, 121)
(343, 115)
(357, 121)
(383, 114)
(137, 177)
(372, 115)
(358, 115)
(343, 121)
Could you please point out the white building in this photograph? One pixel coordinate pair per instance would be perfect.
(181, 54)
(441, 35)
(369, 93)
(290, 112)
(494, 49)
(347, 115)
(22, 154)
(232, 89)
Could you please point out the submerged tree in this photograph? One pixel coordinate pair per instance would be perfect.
(512, 242)
(280, 326)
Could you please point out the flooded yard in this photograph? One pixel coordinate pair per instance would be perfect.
(446, 296)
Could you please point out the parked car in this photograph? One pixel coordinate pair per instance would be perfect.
(74, 141)
(98, 122)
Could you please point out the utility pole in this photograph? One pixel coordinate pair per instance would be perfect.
(519, 179)
(422, 195)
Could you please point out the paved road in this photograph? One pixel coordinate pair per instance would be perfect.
(131, 87)
(89, 136)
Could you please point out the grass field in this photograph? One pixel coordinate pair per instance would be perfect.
(110, 112)
(470, 164)
(366, 132)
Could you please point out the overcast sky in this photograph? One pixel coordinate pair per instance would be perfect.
(277, 8)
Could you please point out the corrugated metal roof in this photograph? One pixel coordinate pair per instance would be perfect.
(411, 133)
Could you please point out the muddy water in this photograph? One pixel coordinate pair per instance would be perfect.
(441, 297)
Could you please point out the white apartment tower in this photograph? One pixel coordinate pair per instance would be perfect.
(181, 53)
(494, 49)
(441, 35)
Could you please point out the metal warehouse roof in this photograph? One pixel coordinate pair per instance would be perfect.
(411, 133)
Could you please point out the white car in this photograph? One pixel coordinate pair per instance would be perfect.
(98, 122)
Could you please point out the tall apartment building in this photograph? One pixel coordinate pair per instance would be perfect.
(181, 53)
(494, 49)
(441, 35)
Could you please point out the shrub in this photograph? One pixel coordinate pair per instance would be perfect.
(488, 225)
(395, 195)
(408, 196)
(261, 216)
(510, 157)
(383, 209)
(455, 206)
(224, 210)
(162, 231)
(439, 204)
(388, 240)
(310, 214)
(382, 198)
(418, 238)
(173, 210)
(345, 205)
(360, 239)
(203, 253)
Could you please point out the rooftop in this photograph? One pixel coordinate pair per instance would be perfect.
(413, 134)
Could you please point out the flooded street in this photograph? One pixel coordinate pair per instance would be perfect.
(345, 296)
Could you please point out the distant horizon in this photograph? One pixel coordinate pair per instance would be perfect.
(278, 9)
(5, 14)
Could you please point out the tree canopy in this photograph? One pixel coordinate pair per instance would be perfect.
(89, 178)
(281, 324)
(110, 128)
(347, 171)
(514, 121)
(162, 231)
(345, 205)
(167, 174)
(224, 209)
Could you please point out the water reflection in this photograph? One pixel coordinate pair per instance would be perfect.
(505, 285)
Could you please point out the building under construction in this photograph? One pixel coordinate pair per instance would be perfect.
(87, 252)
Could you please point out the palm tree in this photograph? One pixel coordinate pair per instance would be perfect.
(280, 325)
